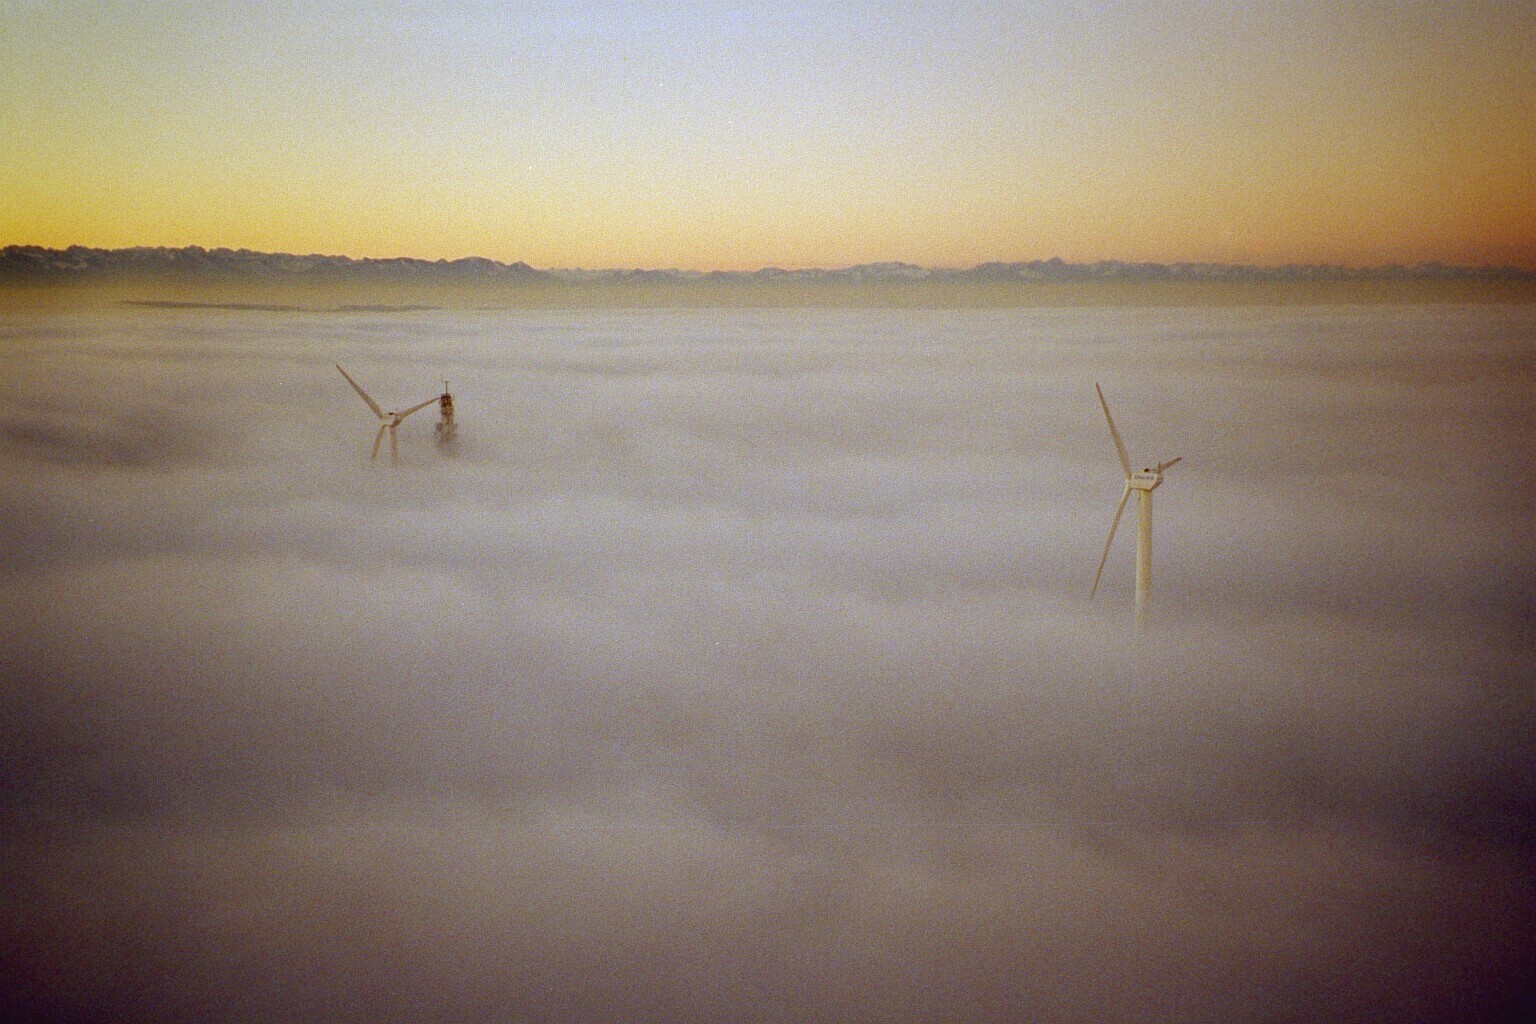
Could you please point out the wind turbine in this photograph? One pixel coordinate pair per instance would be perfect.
(1143, 482)
(446, 430)
(389, 421)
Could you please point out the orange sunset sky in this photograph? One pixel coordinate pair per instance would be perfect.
(735, 136)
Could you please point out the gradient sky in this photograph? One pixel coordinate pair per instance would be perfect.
(735, 136)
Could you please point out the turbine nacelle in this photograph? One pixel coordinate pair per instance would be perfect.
(1148, 477)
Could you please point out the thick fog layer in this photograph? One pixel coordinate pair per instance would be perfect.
(740, 666)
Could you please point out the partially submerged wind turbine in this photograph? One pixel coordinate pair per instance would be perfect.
(389, 421)
(1143, 482)
(446, 429)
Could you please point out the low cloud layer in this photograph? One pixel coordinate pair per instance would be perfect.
(739, 665)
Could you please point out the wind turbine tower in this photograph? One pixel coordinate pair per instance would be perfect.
(447, 430)
(1143, 482)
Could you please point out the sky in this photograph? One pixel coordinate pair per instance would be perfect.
(736, 136)
(740, 665)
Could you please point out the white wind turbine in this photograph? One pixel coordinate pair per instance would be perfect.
(1143, 483)
(389, 421)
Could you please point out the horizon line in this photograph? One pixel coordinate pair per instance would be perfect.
(884, 264)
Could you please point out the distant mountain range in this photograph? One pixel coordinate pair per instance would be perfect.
(35, 263)
(30, 263)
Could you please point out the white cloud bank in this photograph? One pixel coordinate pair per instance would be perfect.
(738, 665)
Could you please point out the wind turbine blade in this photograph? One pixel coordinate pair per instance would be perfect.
(394, 445)
(359, 389)
(376, 439)
(402, 415)
(1164, 465)
(1125, 460)
(1124, 497)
